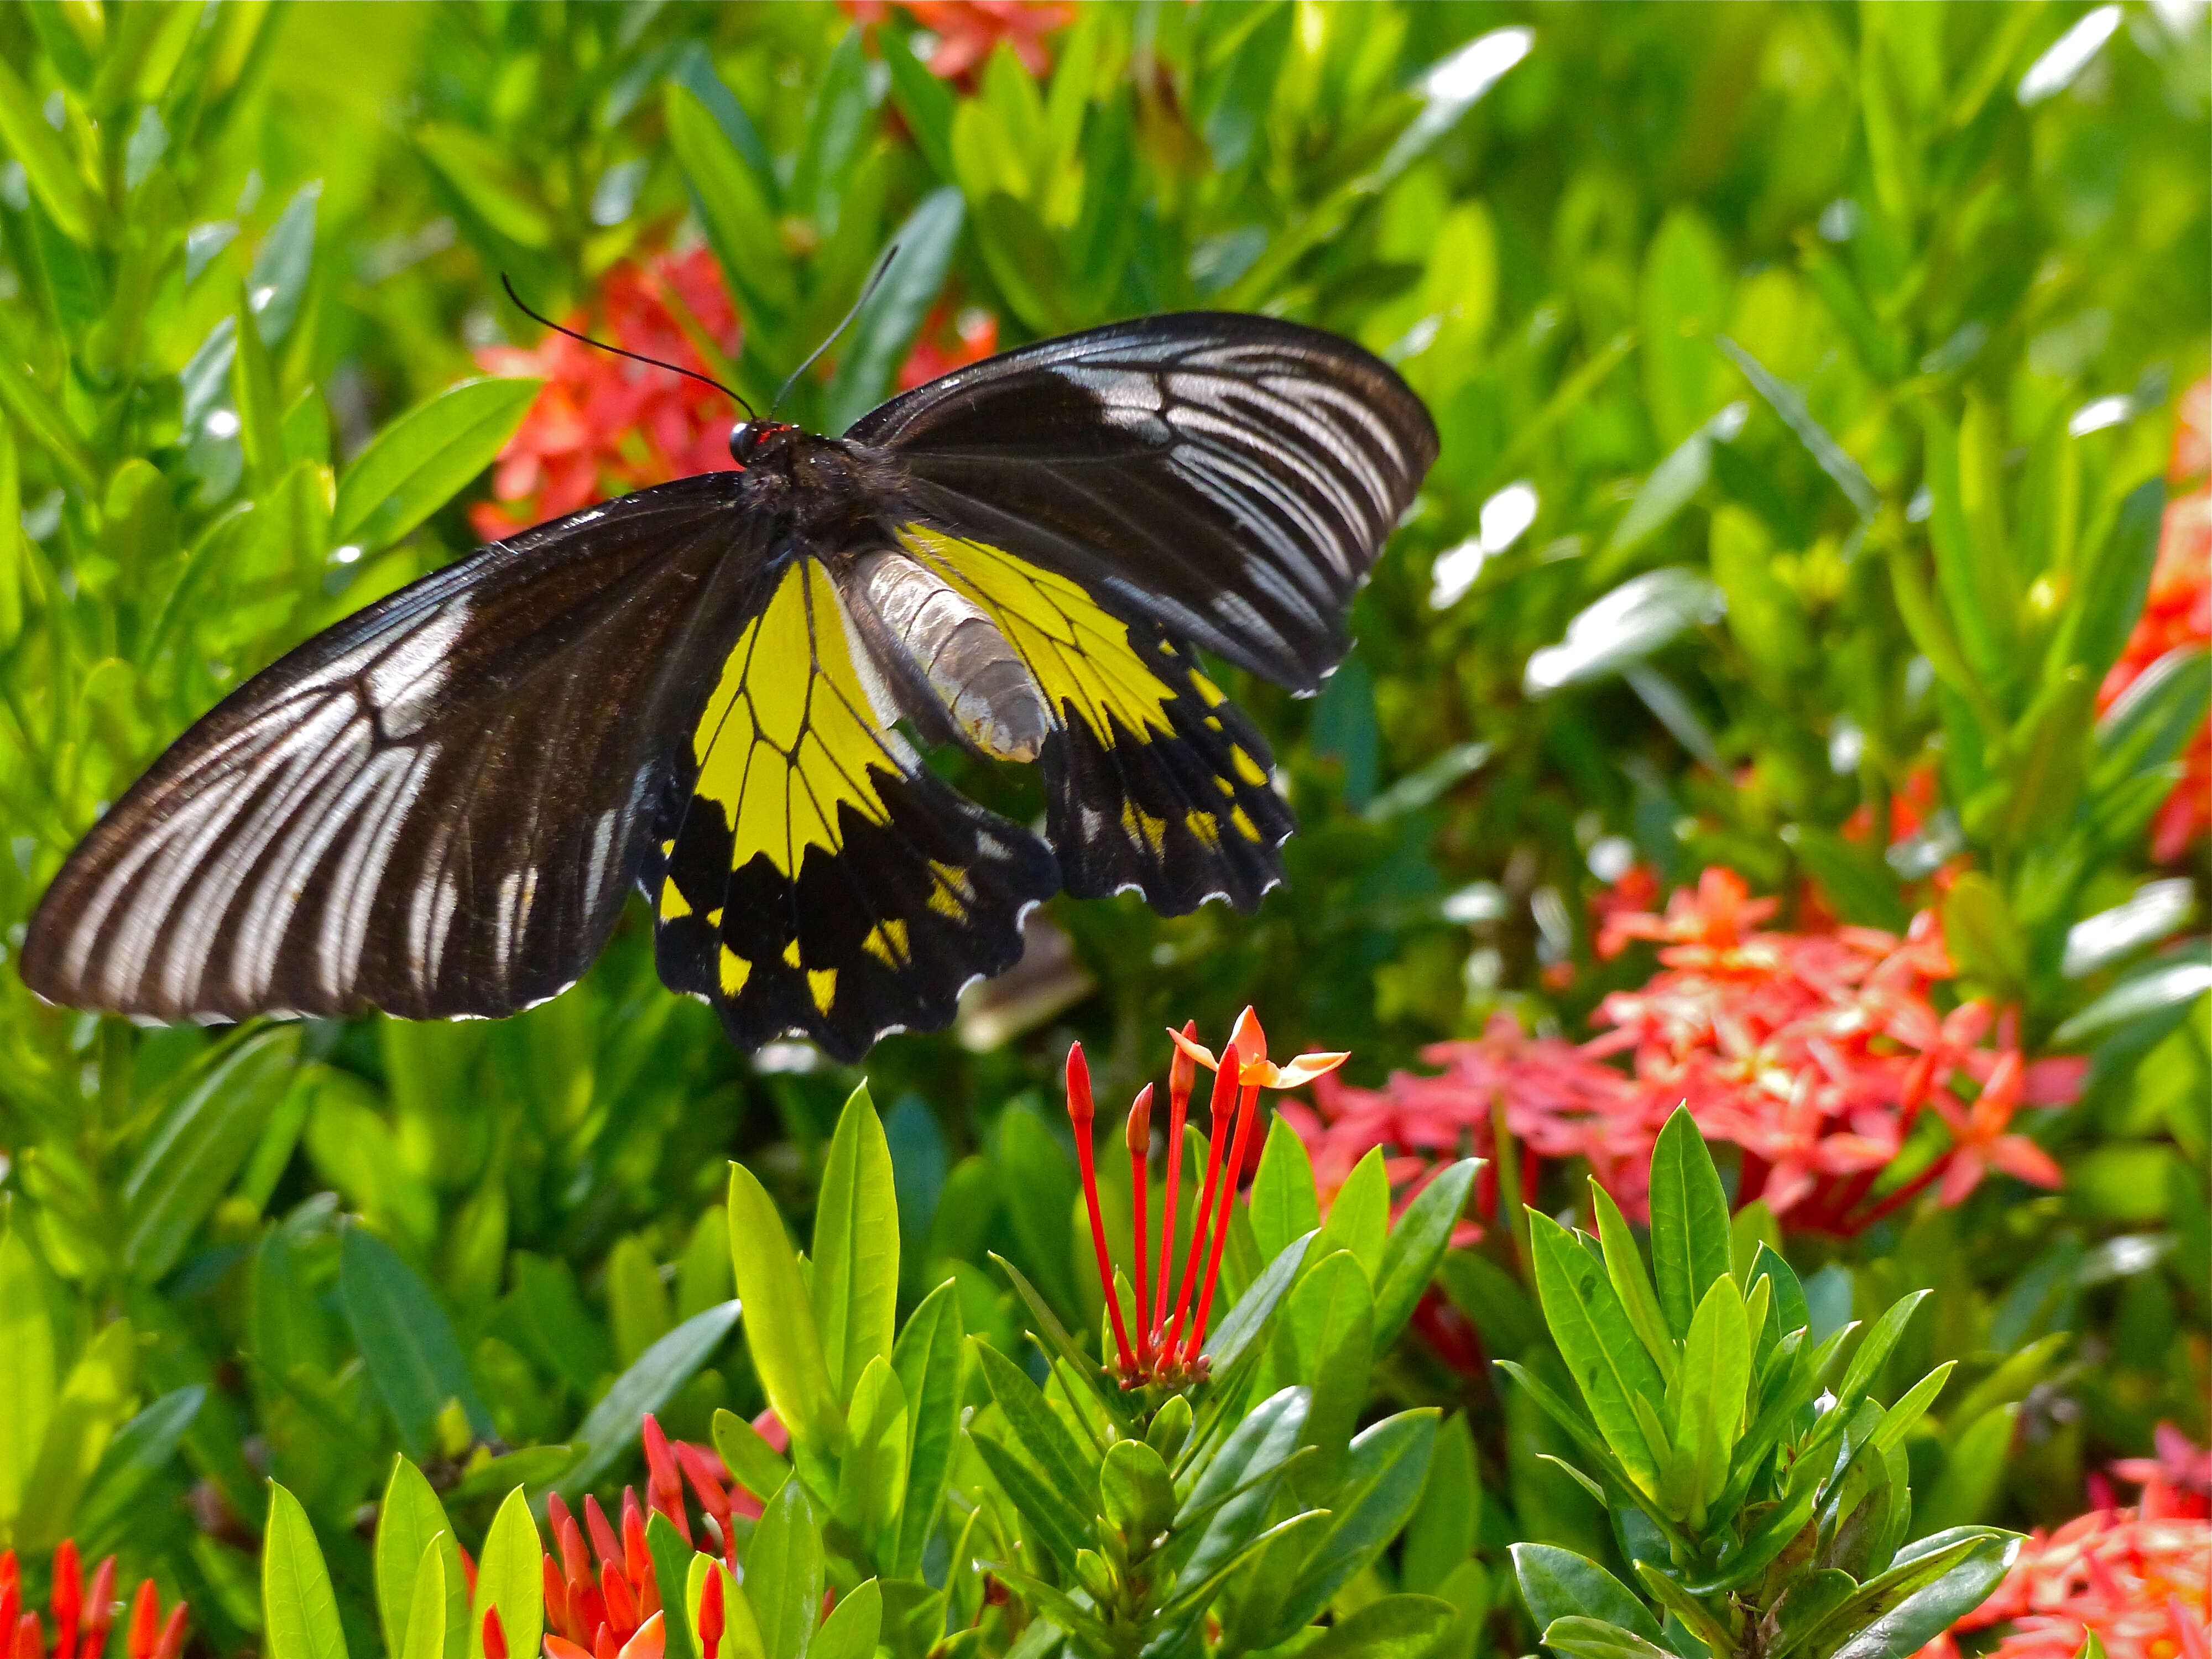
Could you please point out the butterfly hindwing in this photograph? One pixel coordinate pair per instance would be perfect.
(1155, 781)
(432, 808)
(814, 875)
(1230, 478)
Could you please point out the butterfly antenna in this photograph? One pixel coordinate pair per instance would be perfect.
(636, 356)
(875, 279)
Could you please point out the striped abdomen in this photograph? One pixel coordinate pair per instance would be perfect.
(971, 667)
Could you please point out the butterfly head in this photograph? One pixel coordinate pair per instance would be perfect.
(748, 439)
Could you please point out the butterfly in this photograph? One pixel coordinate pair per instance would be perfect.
(706, 690)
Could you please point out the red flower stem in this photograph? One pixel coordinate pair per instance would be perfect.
(1905, 1194)
(1182, 1073)
(1080, 1113)
(1249, 1100)
(1216, 1136)
(1141, 1181)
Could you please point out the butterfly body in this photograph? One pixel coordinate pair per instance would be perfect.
(700, 690)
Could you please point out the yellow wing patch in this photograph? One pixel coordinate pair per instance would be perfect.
(786, 739)
(1080, 655)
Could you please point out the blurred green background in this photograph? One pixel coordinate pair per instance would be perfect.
(1857, 323)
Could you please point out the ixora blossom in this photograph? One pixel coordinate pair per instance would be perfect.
(1167, 1352)
(602, 1600)
(2138, 1579)
(84, 1614)
(1817, 1053)
(969, 31)
(2177, 616)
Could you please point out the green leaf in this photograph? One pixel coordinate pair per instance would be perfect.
(853, 1625)
(741, 1637)
(299, 1612)
(872, 1476)
(2110, 590)
(484, 176)
(417, 463)
(2166, 982)
(1035, 1424)
(1715, 1372)
(511, 1578)
(1934, 1583)
(1972, 564)
(1694, 1615)
(1233, 1484)
(1446, 1523)
(884, 330)
(1596, 1340)
(1593, 1638)
(254, 389)
(780, 1328)
(925, 102)
(1874, 1350)
(199, 1145)
(1685, 298)
(733, 209)
(1416, 1244)
(111, 1510)
(37, 147)
(1383, 1475)
(26, 1371)
(92, 1403)
(1358, 1217)
(46, 422)
(1901, 1418)
(1393, 1627)
(411, 1528)
(1557, 1583)
(1631, 1283)
(672, 1566)
(404, 1338)
(1136, 1493)
(927, 1358)
(278, 280)
(423, 1636)
(1857, 883)
(1689, 1220)
(1973, 1471)
(610, 1429)
(1248, 1317)
(1805, 1604)
(784, 1573)
(856, 1248)
(1282, 1202)
(758, 1467)
(1048, 1519)
(1327, 1335)
(637, 1300)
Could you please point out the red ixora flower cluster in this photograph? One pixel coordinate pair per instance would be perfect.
(604, 425)
(1816, 1053)
(2140, 1579)
(613, 1610)
(83, 1614)
(1166, 1352)
(969, 31)
(2178, 617)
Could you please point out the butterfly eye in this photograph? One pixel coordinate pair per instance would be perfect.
(744, 438)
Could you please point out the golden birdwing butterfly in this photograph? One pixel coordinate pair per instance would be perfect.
(435, 807)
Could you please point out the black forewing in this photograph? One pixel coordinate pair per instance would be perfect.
(1229, 477)
(432, 808)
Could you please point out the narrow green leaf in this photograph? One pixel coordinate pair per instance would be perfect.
(1383, 1475)
(54, 179)
(611, 1428)
(1329, 1328)
(1048, 1519)
(1900, 1419)
(416, 464)
(925, 103)
(784, 1573)
(928, 1358)
(1689, 1220)
(26, 1371)
(758, 1467)
(1395, 1627)
(1973, 1471)
(1663, 1589)
(1416, 1244)
(254, 389)
(1445, 1524)
(484, 177)
(92, 1403)
(1234, 1486)
(1557, 1583)
(1596, 1340)
(884, 330)
(1631, 1283)
(1232, 1337)
(410, 1527)
(405, 1340)
(671, 1567)
(851, 1630)
(1715, 1372)
(1875, 1349)
(780, 1328)
(198, 1144)
(299, 1612)
(1593, 1638)
(110, 1511)
(733, 209)
(423, 1636)
(1282, 1203)
(1894, 1613)
(510, 1577)
(856, 1248)
(1358, 1217)
(871, 1477)
(2111, 591)
(1041, 1433)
